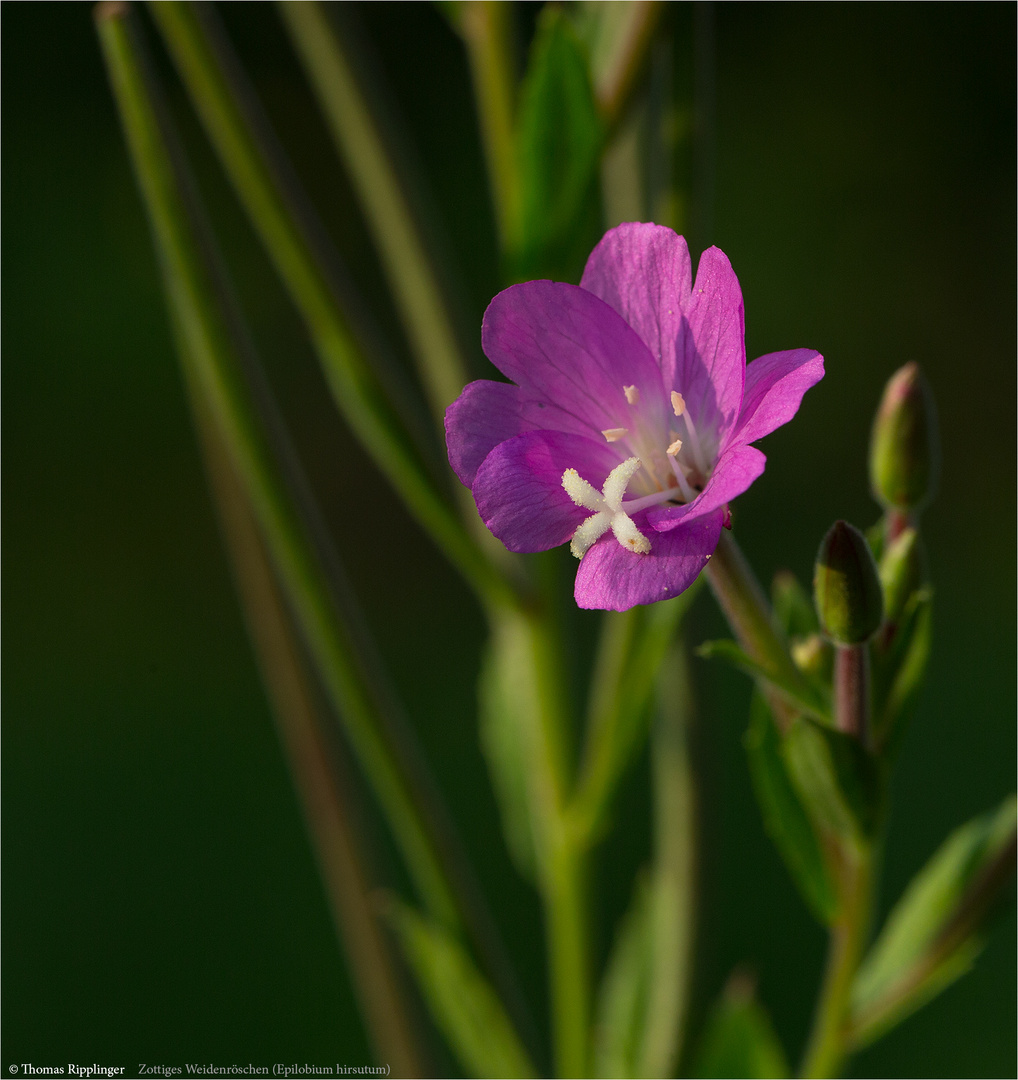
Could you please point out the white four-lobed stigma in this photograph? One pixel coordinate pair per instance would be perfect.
(607, 507)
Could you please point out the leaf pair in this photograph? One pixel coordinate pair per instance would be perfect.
(931, 937)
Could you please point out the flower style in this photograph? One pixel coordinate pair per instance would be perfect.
(627, 427)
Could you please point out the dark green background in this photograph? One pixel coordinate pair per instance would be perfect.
(160, 901)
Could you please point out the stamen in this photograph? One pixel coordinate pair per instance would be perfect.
(615, 433)
(678, 403)
(675, 447)
(688, 494)
(632, 394)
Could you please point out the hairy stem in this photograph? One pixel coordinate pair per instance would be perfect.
(749, 615)
(852, 691)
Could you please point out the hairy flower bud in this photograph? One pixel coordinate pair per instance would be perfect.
(900, 572)
(846, 586)
(904, 444)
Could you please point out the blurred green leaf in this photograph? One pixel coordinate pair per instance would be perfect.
(837, 780)
(929, 938)
(506, 693)
(462, 1003)
(785, 818)
(559, 138)
(622, 1008)
(730, 651)
(739, 1040)
(793, 606)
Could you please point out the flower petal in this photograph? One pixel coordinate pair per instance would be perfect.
(564, 346)
(487, 413)
(614, 579)
(518, 487)
(643, 272)
(712, 361)
(775, 384)
(734, 473)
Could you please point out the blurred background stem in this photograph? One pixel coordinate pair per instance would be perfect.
(211, 363)
(226, 114)
(487, 30)
(379, 184)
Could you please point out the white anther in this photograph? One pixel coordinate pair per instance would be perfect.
(678, 403)
(632, 394)
(615, 433)
(675, 447)
(607, 507)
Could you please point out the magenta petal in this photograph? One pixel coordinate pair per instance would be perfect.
(711, 366)
(643, 272)
(518, 487)
(612, 578)
(487, 413)
(775, 384)
(562, 344)
(734, 473)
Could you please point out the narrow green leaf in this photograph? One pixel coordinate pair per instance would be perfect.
(899, 673)
(739, 1040)
(793, 606)
(785, 818)
(929, 938)
(559, 139)
(505, 693)
(793, 693)
(622, 1008)
(462, 1003)
(837, 780)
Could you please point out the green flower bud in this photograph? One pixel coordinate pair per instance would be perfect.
(901, 572)
(904, 445)
(846, 586)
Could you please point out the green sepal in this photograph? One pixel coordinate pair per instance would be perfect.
(558, 140)
(785, 818)
(739, 1039)
(837, 779)
(505, 695)
(462, 1003)
(731, 652)
(931, 936)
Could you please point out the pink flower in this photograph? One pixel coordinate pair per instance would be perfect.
(628, 428)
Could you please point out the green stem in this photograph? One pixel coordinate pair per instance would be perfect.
(675, 873)
(852, 691)
(827, 1046)
(565, 891)
(561, 847)
(743, 603)
(486, 30)
(624, 32)
(278, 223)
(630, 656)
(380, 189)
